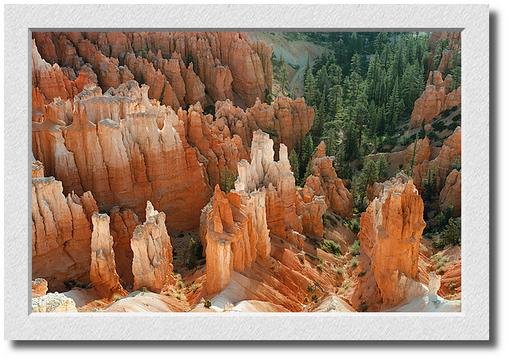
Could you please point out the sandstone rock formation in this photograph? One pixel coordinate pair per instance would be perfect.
(436, 98)
(215, 141)
(311, 208)
(126, 150)
(103, 273)
(152, 252)
(122, 225)
(61, 232)
(391, 229)
(234, 234)
(147, 302)
(437, 169)
(450, 196)
(324, 181)
(181, 67)
(278, 179)
(53, 302)
(290, 119)
(39, 287)
(235, 226)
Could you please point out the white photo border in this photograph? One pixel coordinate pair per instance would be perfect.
(472, 323)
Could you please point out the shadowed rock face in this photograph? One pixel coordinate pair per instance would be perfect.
(450, 196)
(391, 229)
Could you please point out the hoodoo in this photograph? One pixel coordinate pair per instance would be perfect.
(390, 236)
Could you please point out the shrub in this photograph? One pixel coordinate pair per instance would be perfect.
(456, 164)
(210, 109)
(432, 135)
(353, 225)
(314, 297)
(207, 304)
(452, 232)
(355, 248)
(227, 180)
(193, 253)
(310, 287)
(452, 126)
(451, 235)
(331, 247)
(439, 126)
(354, 262)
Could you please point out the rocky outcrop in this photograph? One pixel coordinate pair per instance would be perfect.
(311, 208)
(39, 287)
(61, 232)
(53, 302)
(122, 225)
(126, 150)
(215, 141)
(234, 234)
(288, 120)
(152, 252)
(390, 235)
(436, 98)
(235, 226)
(450, 196)
(159, 87)
(278, 179)
(50, 81)
(325, 182)
(103, 273)
(182, 67)
(147, 302)
(437, 169)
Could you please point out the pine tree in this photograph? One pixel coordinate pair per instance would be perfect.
(305, 154)
(310, 90)
(294, 162)
(382, 166)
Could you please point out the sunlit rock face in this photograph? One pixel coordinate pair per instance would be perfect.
(438, 169)
(324, 181)
(126, 149)
(152, 252)
(103, 273)
(390, 235)
(234, 230)
(61, 233)
(436, 98)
